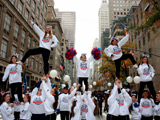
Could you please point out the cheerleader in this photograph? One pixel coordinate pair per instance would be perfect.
(157, 107)
(85, 107)
(114, 51)
(46, 40)
(146, 106)
(63, 103)
(83, 69)
(15, 80)
(135, 111)
(37, 103)
(25, 113)
(7, 109)
(146, 72)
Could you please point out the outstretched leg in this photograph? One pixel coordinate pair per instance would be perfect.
(45, 55)
(130, 56)
(118, 65)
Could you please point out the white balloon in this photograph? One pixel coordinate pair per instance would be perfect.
(94, 83)
(90, 86)
(137, 79)
(129, 79)
(53, 73)
(63, 85)
(66, 78)
(109, 84)
(74, 84)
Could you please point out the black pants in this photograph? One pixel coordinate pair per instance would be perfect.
(151, 88)
(64, 115)
(38, 117)
(16, 88)
(100, 108)
(45, 54)
(85, 79)
(111, 117)
(126, 117)
(147, 118)
(51, 117)
(16, 115)
(118, 63)
(156, 117)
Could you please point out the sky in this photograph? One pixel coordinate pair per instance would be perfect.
(87, 29)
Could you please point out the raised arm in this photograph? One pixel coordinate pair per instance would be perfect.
(123, 41)
(19, 68)
(55, 40)
(37, 29)
(127, 97)
(112, 98)
(90, 59)
(75, 59)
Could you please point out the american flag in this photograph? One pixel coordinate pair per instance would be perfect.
(61, 67)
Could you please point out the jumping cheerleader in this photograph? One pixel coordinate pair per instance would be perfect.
(46, 43)
(146, 72)
(157, 107)
(15, 80)
(114, 51)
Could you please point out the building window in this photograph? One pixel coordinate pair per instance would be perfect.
(12, 1)
(32, 19)
(21, 55)
(39, 1)
(23, 37)
(32, 63)
(36, 65)
(148, 36)
(45, 11)
(150, 52)
(42, 4)
(121, 13)
(117, 13)
(33, 6)
(144, 42)
(20, 7)
(29, 1)
(41, 19)
(27, 15)
(4, 48)
(16, 30)
(7, 22)
(40, 67)
(14, 50)
(124, 13)
(34, 44)
(37, 12)
(29, 42)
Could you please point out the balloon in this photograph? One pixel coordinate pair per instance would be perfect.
(90, 86)
(66, 78)
(74, 84)
(94, 83)
(53, 73)
(63, 85)
(129, 79)
(109, 84)
(137, 79)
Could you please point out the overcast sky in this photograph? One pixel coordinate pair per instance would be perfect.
(86, 21)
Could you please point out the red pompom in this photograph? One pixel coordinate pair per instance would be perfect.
(70, 53)
(96, 52)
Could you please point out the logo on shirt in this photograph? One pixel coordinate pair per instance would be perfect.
(146, 71)
(116, 50)
(145, 104)
(83, 66)
(84, 110)
(13, 70)
(37, 101)
(121, 102)
(17, 102)
(65, 100)
(46, 40)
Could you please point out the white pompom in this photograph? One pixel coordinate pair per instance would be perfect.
(53, 73)
(137, 79)
(129, 79)
(109, 84)
(66, 78)
(94, 83)
(74, 84)
(90, 86)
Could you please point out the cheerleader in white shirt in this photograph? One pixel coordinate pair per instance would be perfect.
(146, 106)
(7, 109)
(15, 80)
(157, 107)
(146, 72)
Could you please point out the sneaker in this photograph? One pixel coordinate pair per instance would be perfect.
(135, 66)
(19, 62)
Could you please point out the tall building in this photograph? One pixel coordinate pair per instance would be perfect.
(17, 35)
(103, 19)
(68, 22)
(120, 8)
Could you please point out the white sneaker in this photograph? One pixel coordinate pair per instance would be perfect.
(19, 62)
(135, 66)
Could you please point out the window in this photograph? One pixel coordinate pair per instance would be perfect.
(114, 13)
(4, 48)
(32, 63)
(114, 1)
(144, 42)
(41, 19)
(27, 15)
(32, 19)
(16, 30)
(14, 50)
(21, 55)
(33, 6)
(124, 9)
(29, 42)
(12, 1)
(121, 13)
(34, 44)
(7, 22)
(20, 7)
(117, 13)
(150, 52)
(42, 4)
(29, 1)
(45, 11)
(37, 13)
(39, 1)
(40, 67)
(36, 65)
(23, 37)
